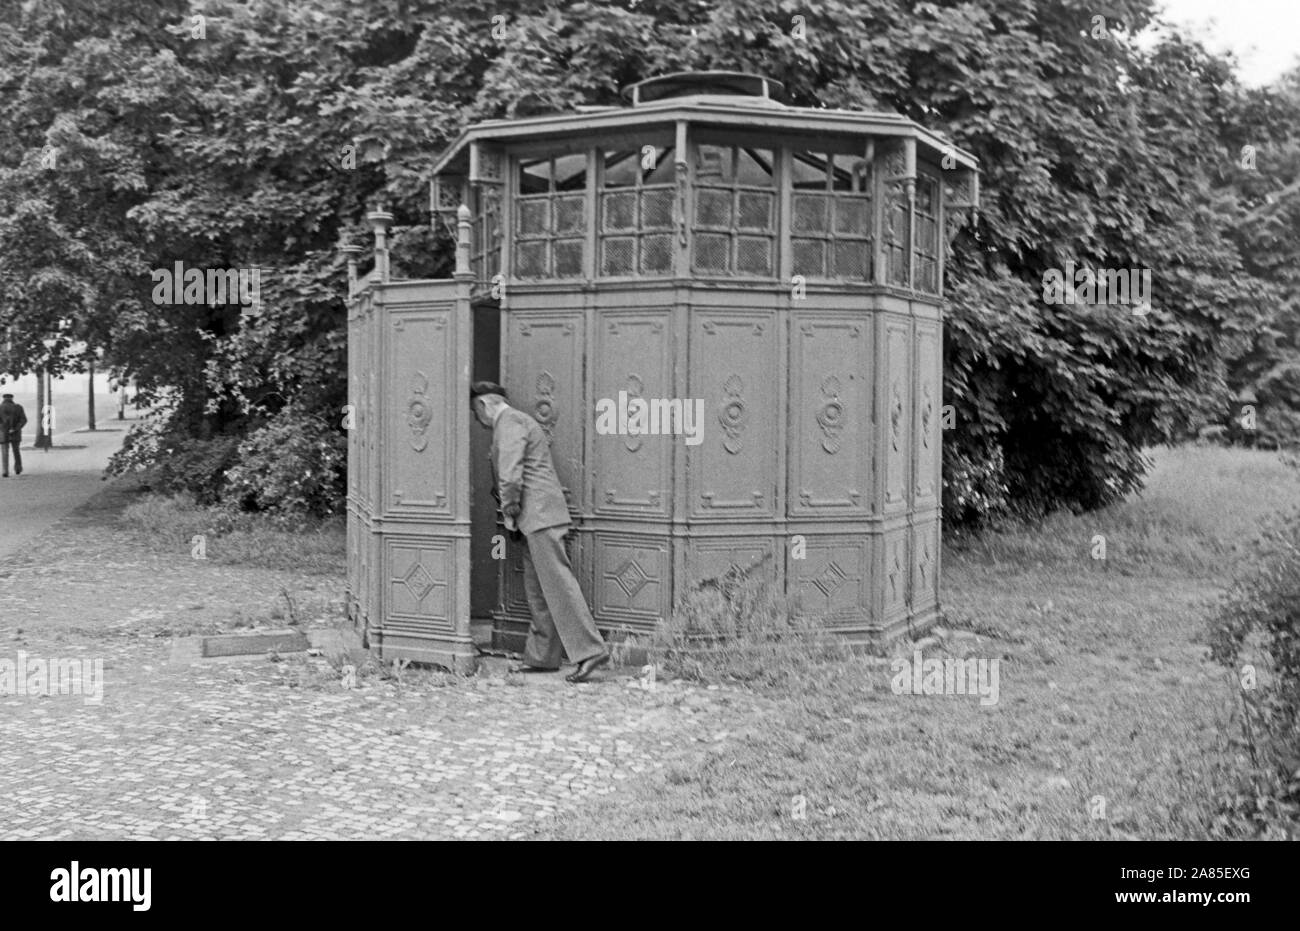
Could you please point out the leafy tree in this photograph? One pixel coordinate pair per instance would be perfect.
(264, 140)
(1266, 231)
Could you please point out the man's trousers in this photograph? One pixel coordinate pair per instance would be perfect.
(561, 618)
(18, 456)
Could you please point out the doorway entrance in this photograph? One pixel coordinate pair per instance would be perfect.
(484, 576)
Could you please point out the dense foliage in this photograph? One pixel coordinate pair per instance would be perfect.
(1257, 636)
(135, 135)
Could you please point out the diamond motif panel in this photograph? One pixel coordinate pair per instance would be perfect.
(419, 582)
(631, 578)
(833, 580)
(419, 593)
(830, 579)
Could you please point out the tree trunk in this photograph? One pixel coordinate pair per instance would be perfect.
(42, 441)
(91, 409)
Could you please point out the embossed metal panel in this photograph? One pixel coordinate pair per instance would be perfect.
(421, 590)
(367, 588)
(925, 564)
(833, 579)
(361, 446)
(896, 428)
(408, 547)
(544, 380)
(929, 394)
(632, 583)
(368, 423)
(354, 442)
(370, 405)
(733, 470)
(896, 571)
(831, 398)
(355, 334)
(631, 474)
(514, 601)
(420, 351)
(731, 558)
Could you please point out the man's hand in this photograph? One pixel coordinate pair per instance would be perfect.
(511, 512)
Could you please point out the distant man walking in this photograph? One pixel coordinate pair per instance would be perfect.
(12, 420)
(532, 501)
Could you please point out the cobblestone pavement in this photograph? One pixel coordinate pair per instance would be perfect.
(260, 749)
(257, 749)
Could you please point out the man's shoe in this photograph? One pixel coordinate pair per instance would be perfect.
(524, 667)
(587, 667)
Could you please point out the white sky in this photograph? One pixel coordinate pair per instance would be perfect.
(1264, 34)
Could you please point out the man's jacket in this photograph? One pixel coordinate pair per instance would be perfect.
(12, 420)
(524, 472)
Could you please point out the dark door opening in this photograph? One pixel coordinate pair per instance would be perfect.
(484, 569)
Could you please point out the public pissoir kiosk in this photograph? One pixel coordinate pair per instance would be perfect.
(783, 264)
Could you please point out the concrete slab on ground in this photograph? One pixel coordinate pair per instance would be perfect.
(186, 651)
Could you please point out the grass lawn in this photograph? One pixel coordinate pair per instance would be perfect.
(315, 547)
(1111, 721)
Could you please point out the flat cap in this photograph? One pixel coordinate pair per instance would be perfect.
(486, 387)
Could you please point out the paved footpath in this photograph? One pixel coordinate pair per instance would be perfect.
(263, 749)
(54, 481)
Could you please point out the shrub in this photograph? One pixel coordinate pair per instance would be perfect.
(294, 465)
(1279, 425)
(139, 450)
(196, 466)
(1258, 627)
(174, 462)
(291, 467)
(975, 490)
